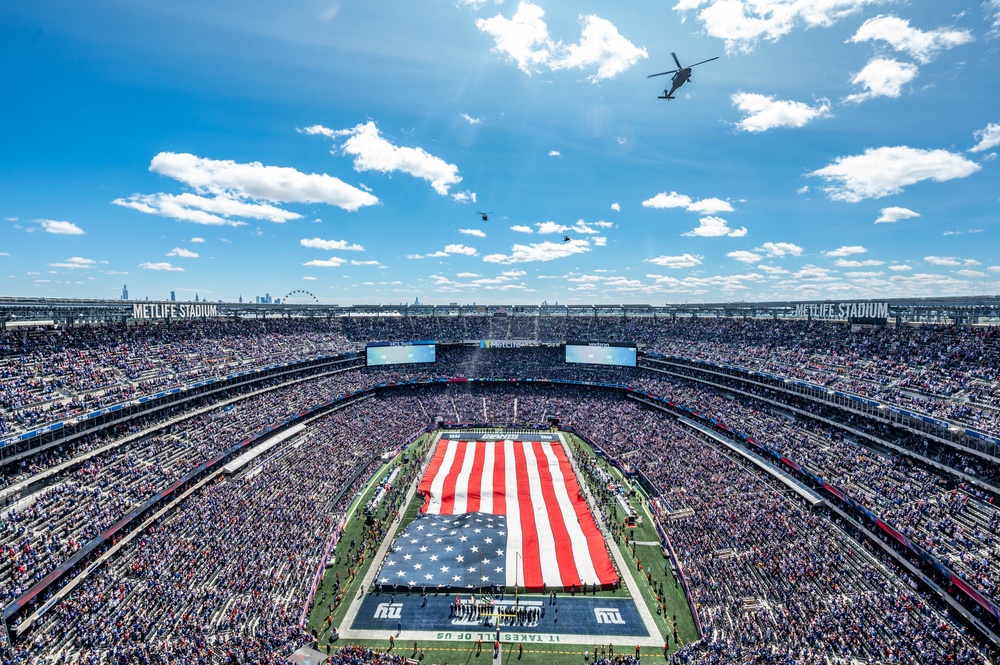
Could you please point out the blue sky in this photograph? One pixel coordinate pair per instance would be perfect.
(836, 149)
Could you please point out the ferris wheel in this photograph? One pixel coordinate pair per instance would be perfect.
(299, 297)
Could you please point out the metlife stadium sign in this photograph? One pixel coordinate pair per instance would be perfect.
(173, 310)
(843, 310)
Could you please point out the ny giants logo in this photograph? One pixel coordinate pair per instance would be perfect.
(389, 611)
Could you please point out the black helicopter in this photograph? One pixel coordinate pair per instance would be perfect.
(486, 215)
(565, 238)
(681, 75)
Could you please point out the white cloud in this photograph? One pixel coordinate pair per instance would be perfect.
(715, 227)
(197, 239)
(555, 153)
(764, 113)
(461, 249)
(372, 152)
(710, 206)
(682, 261)
(183, 253)
(255, 181)
(332, 262)
(846, 250)
(522, 229)
(852, 263)
(466, 275)
(900, 268)
(60, 228)
(161, 266)
(671, 200)
(601, 45)
(579, 227)
(707, 206)
(616, 207)
(894, 214)
(551, 227)
(310, 278)
(540, 251)
(469, 119)
(319, 243)
(365, 263)
(743, 23)
(882, 77)
(883, 171)
(743, 256)
(600, 241)
(988, 137)
(814, 274)
(970, 273)
(75, 262)
(478, 233)
(943, 260)
(524, 39)
(780, 249)
(994, 268)
(464, 197)
(919, 45)
(772, 270)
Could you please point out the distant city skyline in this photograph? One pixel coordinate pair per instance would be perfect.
(239, 150)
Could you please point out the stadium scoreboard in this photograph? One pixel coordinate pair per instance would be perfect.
(593, 353)
(400, 353)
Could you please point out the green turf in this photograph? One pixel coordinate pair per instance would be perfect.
(354, 530)
(439, 652)
(653, 562)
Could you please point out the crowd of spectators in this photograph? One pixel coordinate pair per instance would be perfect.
(51, 373)
(771, 576)
(772, 580)
(229, 570)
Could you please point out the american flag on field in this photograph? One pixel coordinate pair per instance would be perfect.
(517, 502)
(465, 551)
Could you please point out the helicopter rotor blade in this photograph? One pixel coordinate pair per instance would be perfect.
(661, 73)
(679, 65)
(704, 61)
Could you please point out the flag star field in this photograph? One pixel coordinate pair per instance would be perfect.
(837, 149)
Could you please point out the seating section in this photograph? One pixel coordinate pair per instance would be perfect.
(769, 576)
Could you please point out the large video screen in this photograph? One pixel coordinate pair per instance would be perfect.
(400, 353)
(601, 354)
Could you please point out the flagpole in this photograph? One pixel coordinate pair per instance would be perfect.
(517, 569)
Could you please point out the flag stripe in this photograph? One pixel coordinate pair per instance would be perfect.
(530, 549)
(499, 481)
(476, 478)
(447, 497)
(508, 496)
(566, 573)
(430, 478)
(580, 551)
(551, 549)
(595, 542)
(462, 482)
(486, 490)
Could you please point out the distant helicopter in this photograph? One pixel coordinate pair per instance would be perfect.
(486, 215)
(565, 238)
(681, 75)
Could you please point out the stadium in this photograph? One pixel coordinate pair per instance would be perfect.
(292, 484)
(499, 332)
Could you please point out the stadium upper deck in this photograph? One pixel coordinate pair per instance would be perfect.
(957, 309)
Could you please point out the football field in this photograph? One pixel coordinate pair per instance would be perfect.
(489, 528)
